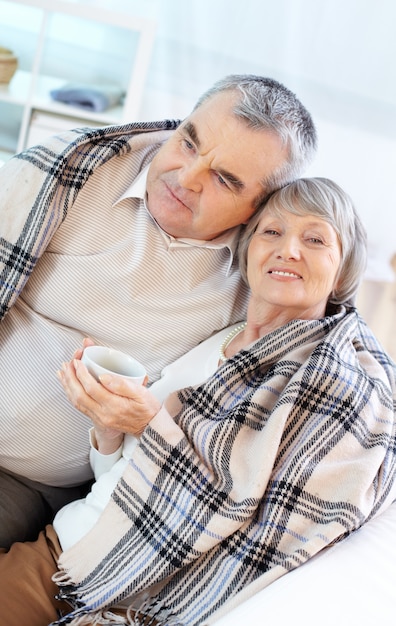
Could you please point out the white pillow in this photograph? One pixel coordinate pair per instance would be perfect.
(351, 583)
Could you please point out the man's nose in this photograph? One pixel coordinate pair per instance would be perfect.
(191, 176)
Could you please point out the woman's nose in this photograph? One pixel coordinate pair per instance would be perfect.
(289, 248)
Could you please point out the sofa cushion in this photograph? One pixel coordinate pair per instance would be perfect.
(352, 582)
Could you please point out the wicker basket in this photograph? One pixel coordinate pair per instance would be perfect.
(8, 65)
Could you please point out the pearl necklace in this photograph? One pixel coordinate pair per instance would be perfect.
(228, 340)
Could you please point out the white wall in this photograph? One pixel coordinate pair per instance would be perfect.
(338, 56)
(364, 164)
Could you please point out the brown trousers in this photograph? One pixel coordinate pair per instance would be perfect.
(27, 593)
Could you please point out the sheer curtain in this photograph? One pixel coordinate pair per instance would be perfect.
(338, 56)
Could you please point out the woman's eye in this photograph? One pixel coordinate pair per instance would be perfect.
(315, 240)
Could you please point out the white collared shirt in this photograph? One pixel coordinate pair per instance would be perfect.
(229, 239)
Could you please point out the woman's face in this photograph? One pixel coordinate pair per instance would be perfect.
(292, 263)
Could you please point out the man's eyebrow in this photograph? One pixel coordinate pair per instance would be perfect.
(233, 180)
(190, 129)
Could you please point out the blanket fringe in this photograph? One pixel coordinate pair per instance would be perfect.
(150, 613)
(103, 617)
(153, 612)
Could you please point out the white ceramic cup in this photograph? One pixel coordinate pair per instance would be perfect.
(101, 360)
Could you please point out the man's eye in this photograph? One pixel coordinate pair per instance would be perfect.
(222, 180)
(188, 144)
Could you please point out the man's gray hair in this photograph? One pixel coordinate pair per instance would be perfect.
(266, 104)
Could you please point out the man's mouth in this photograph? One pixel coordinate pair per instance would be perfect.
(177, 196)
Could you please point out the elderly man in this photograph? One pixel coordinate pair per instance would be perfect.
(127, 235)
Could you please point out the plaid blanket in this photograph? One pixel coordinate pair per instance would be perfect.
(38, 187)
(287, 448)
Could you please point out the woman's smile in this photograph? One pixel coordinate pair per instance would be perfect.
(284, 274)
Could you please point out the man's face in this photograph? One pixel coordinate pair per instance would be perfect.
(206, 177)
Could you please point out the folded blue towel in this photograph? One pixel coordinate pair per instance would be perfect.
(91, 97)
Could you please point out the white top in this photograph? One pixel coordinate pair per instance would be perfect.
(74, 520)
(112, 274)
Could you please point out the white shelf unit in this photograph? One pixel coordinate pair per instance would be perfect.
(27, 96)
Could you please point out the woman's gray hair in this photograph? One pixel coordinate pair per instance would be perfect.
(266, 104)
(324, 198)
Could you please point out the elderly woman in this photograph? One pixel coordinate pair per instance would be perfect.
(287, 447)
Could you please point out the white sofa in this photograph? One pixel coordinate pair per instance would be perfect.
(351, 583)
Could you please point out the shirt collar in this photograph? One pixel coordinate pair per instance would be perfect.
(229, 239)
(137, 189)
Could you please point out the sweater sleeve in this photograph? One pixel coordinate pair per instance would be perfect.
(101, 463)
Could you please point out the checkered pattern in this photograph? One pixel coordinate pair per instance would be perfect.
(287, 448)
(55, 173)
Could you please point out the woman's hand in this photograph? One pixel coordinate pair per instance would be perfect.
(114, 405)
(87, 341)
